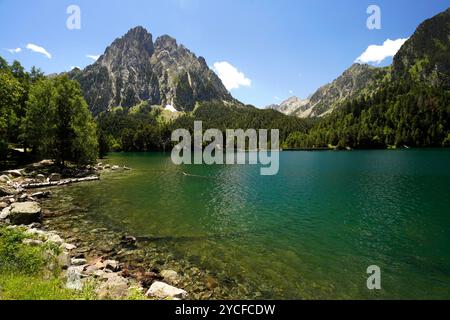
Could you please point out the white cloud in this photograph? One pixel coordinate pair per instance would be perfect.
(93, 56)
(12, 51)
(377, 54)
(291, 92)
(277, 98)
(38, 49)
(231, 77)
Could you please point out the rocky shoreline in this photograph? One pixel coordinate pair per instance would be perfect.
(112, 278)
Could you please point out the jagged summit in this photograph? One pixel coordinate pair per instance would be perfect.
(134, 69)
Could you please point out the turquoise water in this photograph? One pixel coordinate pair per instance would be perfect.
(309, 232)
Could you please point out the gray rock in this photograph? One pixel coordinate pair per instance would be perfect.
(161, 290)
(25, 213)
(74, 278)
(63, 260)
(55, 238)
(115, 287)
(5, 213)
(115, 168)
(3, 205)
(78, 262)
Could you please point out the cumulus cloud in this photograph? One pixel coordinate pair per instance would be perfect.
(93, 56)
(231, 77)
(38, 49)
(12, 51)
(377, 54)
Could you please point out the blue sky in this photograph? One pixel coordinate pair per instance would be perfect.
(282, 48)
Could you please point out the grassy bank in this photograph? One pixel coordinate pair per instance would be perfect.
(31, 272)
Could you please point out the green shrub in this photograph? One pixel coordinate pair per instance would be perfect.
(16, 257)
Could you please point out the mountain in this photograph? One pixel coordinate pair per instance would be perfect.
(352, 82)
(425, 57)
(289, 106)
(407, 104)
(135, 69)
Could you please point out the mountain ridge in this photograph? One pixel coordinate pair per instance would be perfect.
(134, 69)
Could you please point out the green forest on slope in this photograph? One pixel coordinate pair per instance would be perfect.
(406, 105)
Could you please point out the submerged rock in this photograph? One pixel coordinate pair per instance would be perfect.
(25, 213)
(111, 265)
(170, 276)
(54, 177)
(161, 290)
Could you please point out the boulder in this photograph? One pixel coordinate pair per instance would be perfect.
(161, 290)
(25, 213)
(54, 177)
(114, 287)
(115, 168)
(3, 205)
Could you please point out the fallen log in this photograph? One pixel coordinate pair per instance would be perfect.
(58, 183)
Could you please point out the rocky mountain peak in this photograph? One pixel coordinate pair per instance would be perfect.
(133, 69)
(136, 41)
(166, 42)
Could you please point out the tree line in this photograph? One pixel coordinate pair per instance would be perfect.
(399, 114)
(45, 116)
